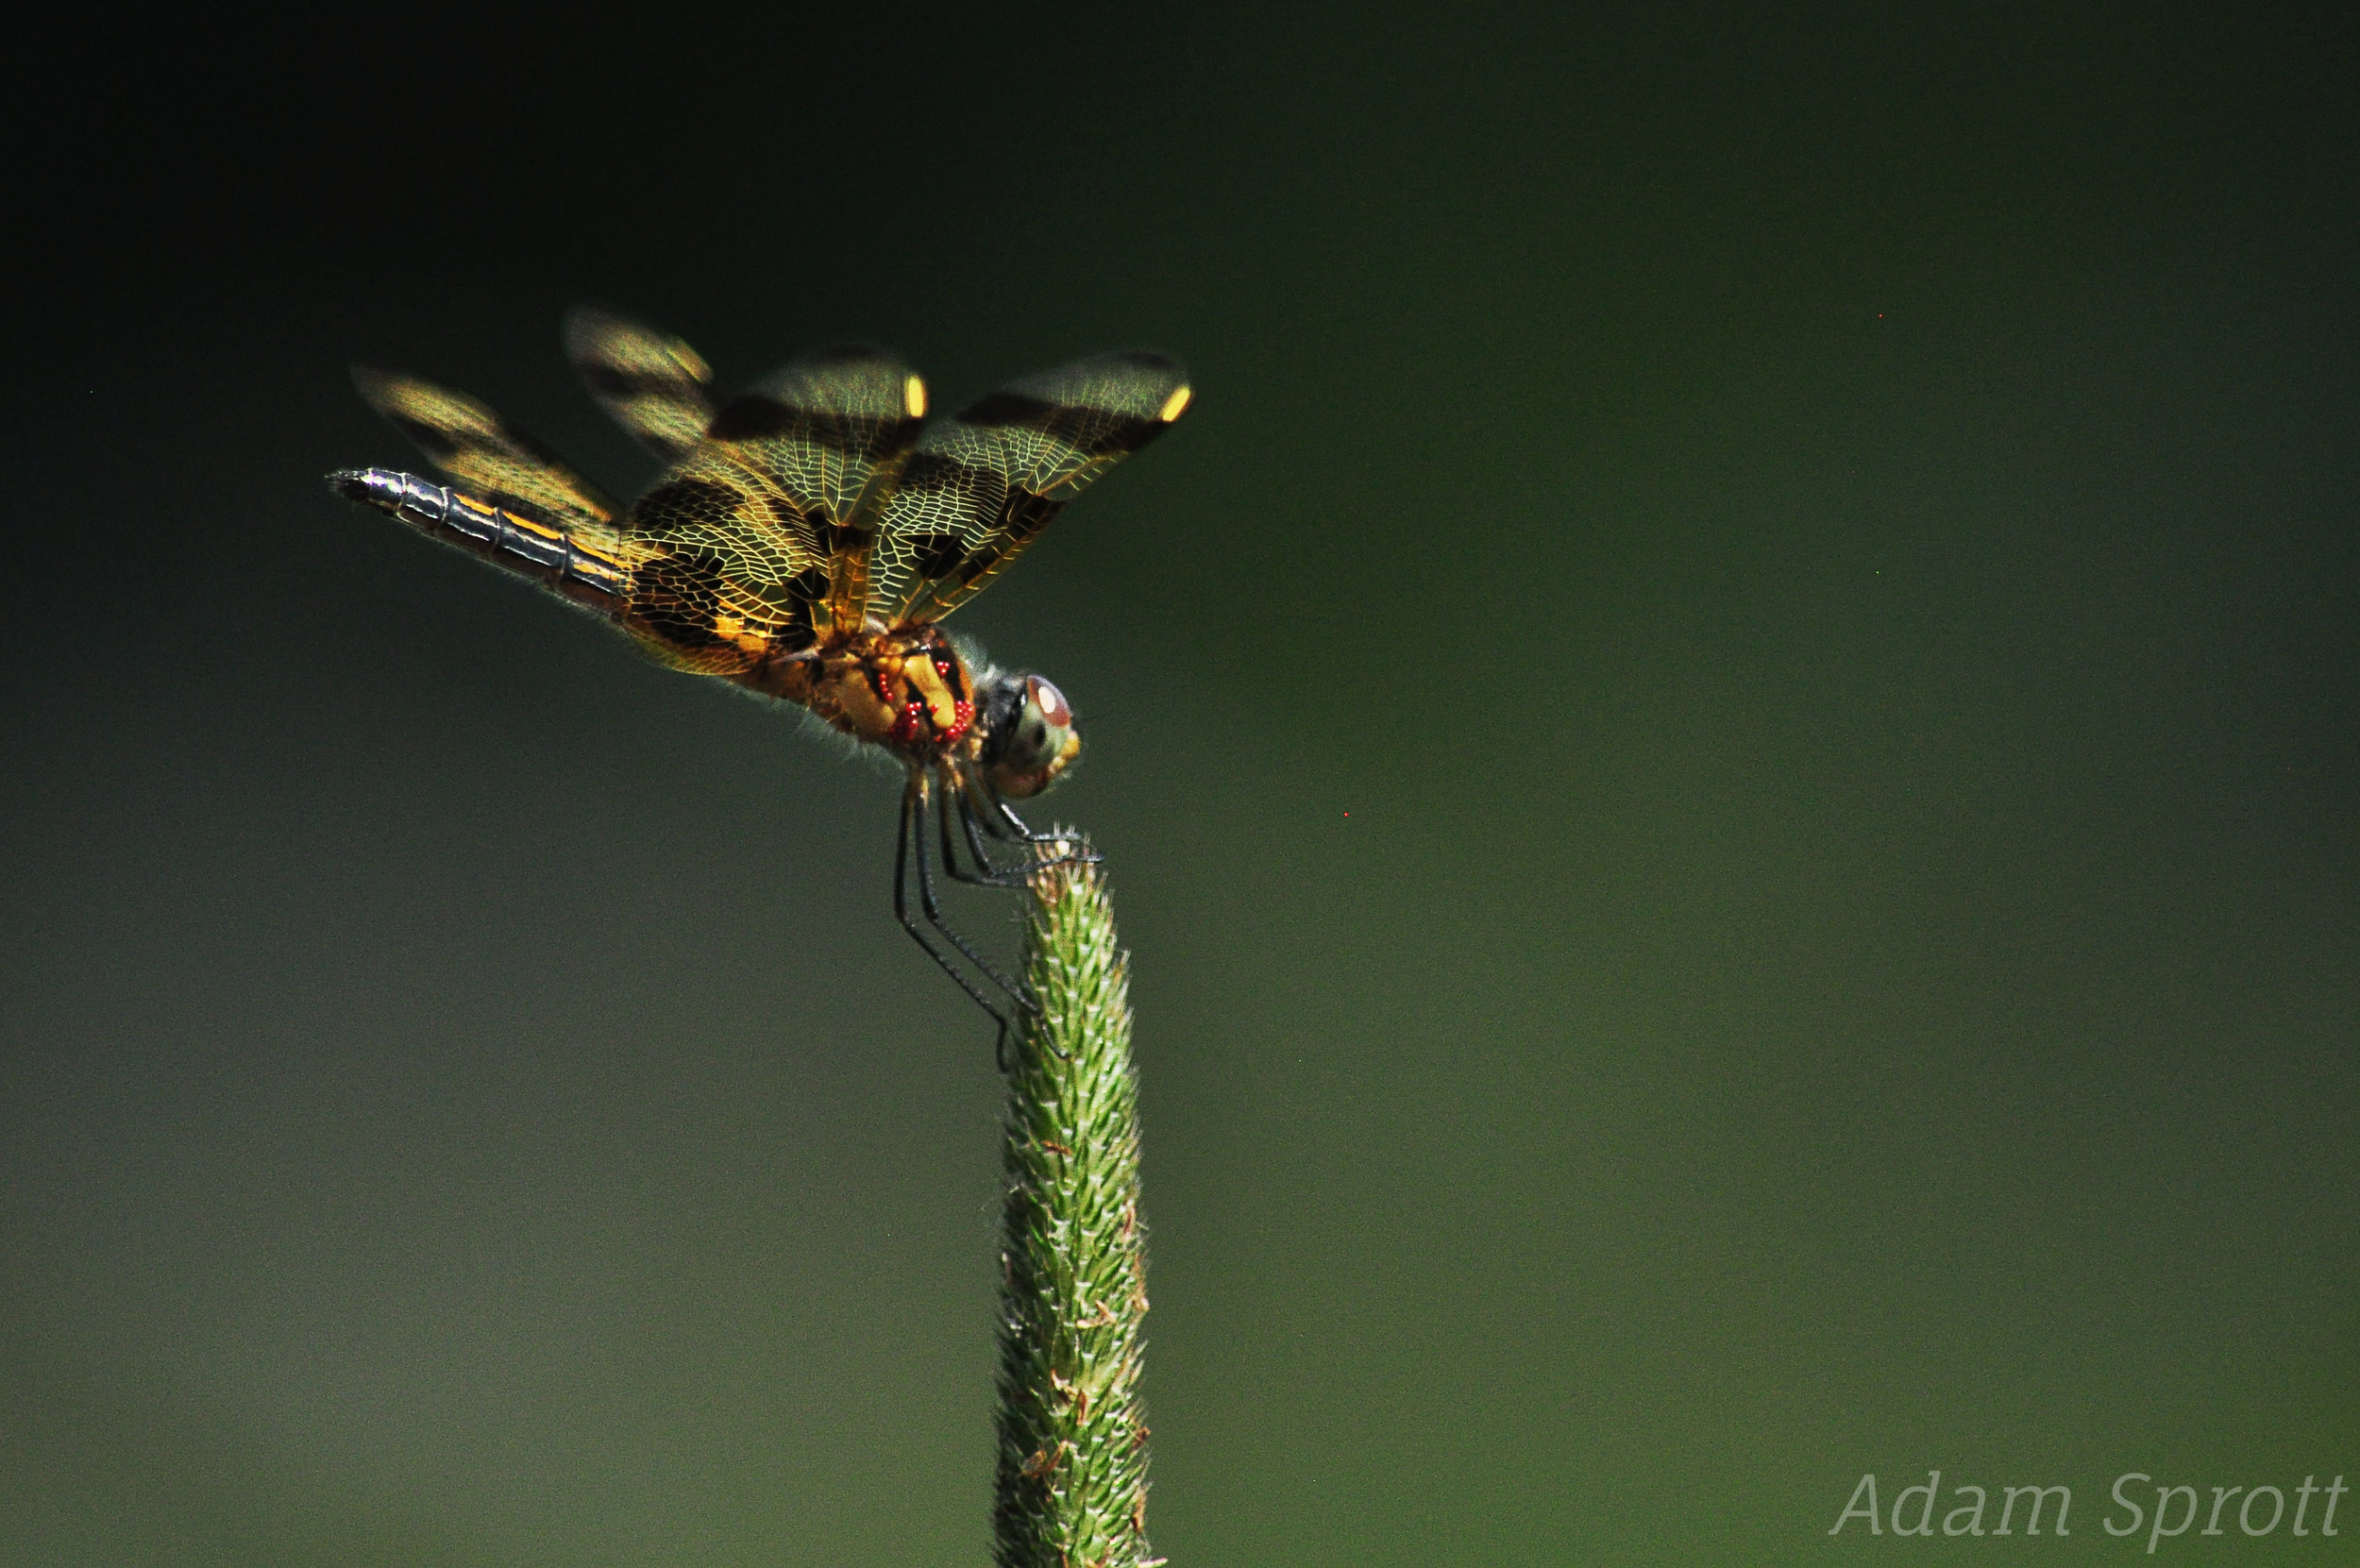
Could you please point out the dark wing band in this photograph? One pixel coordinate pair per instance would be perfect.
(813, 451)
(480, 449)
(726, 524)
(654, 384)
(982, 485)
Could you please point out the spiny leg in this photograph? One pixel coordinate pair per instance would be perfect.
(934, 906)
(914, 827)
(1002, 823)
(957, 794)
(914, 834)
(999, 877)
(987, 873)
(1006, 824)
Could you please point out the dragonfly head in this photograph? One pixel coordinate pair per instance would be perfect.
(1029, 735)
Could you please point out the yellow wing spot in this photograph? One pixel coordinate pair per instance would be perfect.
(750, 639)
(914, 398)
(1176, 405)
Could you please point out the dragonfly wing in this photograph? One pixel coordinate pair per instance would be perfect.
(482, 450)
(984, 482)
(654, 384)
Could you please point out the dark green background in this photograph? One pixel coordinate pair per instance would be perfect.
(1728, 742)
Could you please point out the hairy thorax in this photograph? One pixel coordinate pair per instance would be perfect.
(907, 690)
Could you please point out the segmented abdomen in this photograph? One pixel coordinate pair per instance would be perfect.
(555, 557)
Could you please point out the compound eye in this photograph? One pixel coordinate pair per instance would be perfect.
(1036, 743)
(1050, 700)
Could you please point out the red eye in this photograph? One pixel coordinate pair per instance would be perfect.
(1051, 701)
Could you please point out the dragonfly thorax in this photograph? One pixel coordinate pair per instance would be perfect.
(912, 692)
(907, 690)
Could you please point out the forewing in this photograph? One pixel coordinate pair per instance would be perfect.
(983, 484)
(818, 447)
(654, 385)
(480, 449)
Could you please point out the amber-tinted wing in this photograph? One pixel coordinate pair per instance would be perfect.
(699, 573)
(792, 477)
(652, 383)
(729, 573)
(983, 484)
(482, 450)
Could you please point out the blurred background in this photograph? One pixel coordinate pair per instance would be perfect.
(1728, 742)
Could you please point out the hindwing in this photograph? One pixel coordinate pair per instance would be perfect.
(482, 450)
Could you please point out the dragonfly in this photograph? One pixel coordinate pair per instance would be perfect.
(805, 540)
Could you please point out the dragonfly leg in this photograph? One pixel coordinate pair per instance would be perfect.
(932, 906)
(910, 843)
(986, 873)
(913, 830)
(994, 876)
(1002, 823)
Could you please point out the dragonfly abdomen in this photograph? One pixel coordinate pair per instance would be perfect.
(554, 556)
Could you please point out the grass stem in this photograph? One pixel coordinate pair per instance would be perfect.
(1073, 1467)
